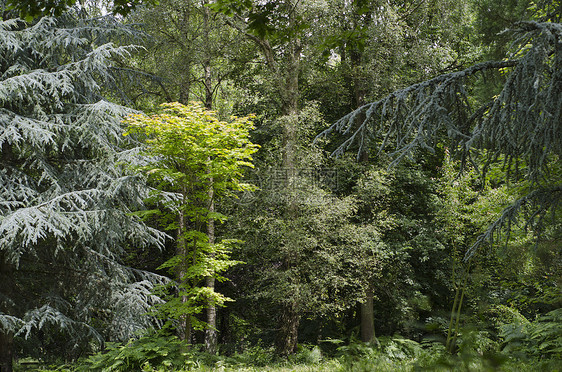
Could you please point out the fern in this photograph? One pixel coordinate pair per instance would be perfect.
(541, 338)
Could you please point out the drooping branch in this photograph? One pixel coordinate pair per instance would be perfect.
(522, 121)
(528, 212)
(410, 114)
(522, 124)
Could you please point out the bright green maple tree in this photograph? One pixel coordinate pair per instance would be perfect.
(193, 158)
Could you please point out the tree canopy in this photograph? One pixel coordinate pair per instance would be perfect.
(29, 9)
(324, 204)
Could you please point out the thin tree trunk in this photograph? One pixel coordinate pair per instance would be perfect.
(184, 330)
(186, 80)
(211, 331)
(211, 334)
(207, 61)
(453, 342)
(455, 302)
(7, 291)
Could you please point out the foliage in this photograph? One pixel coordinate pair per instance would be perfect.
(191, 54)
(30, 9)
(327, 239)
(402, 202)
(157, 353)
(266, 20)
(371, 48)
(419, 115)
(188, 146)
(541, 338)
(190, 296)
(193, 158)
(65, 198)
(144, 353)
(301, 245)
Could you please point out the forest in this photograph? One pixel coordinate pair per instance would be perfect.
(280, 185)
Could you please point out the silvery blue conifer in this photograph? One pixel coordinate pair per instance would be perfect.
(65, 198)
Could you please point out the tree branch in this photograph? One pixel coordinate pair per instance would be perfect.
(263, 44)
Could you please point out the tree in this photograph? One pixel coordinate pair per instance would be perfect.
(422, 115)
(194, 158)
(372, 48)
(191, 55)
(30, 9)
(289, 33)
(331, 257)
(277, 28)
(521, 123)
(469, 203)
(64, 195)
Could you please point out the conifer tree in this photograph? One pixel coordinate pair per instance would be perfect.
(64, 196)
(521, 124)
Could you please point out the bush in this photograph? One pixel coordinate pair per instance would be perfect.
(541, 338)
(140, 354)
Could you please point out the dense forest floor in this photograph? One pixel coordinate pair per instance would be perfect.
(392, 354)
(339, 365)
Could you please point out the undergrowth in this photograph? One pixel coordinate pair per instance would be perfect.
(532, 346)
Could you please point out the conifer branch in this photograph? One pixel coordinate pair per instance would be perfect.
(523, 123)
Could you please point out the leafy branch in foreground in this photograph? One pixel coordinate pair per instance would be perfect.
(522, 124)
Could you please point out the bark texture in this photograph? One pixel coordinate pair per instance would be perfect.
(184, 328)
(211, 336)
(368, 317)
(289, 330)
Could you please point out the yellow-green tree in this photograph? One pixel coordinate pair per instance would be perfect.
(193, 158)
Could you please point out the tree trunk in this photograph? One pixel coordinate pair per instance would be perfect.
(6, 351)
(184, 93)
(184, 329)
(211, 335)
(286, 76)
(290, 317)
(207, 60)
(368, 317)
(211, 331)
(289, 331)
(7, 292)
(359, 93)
